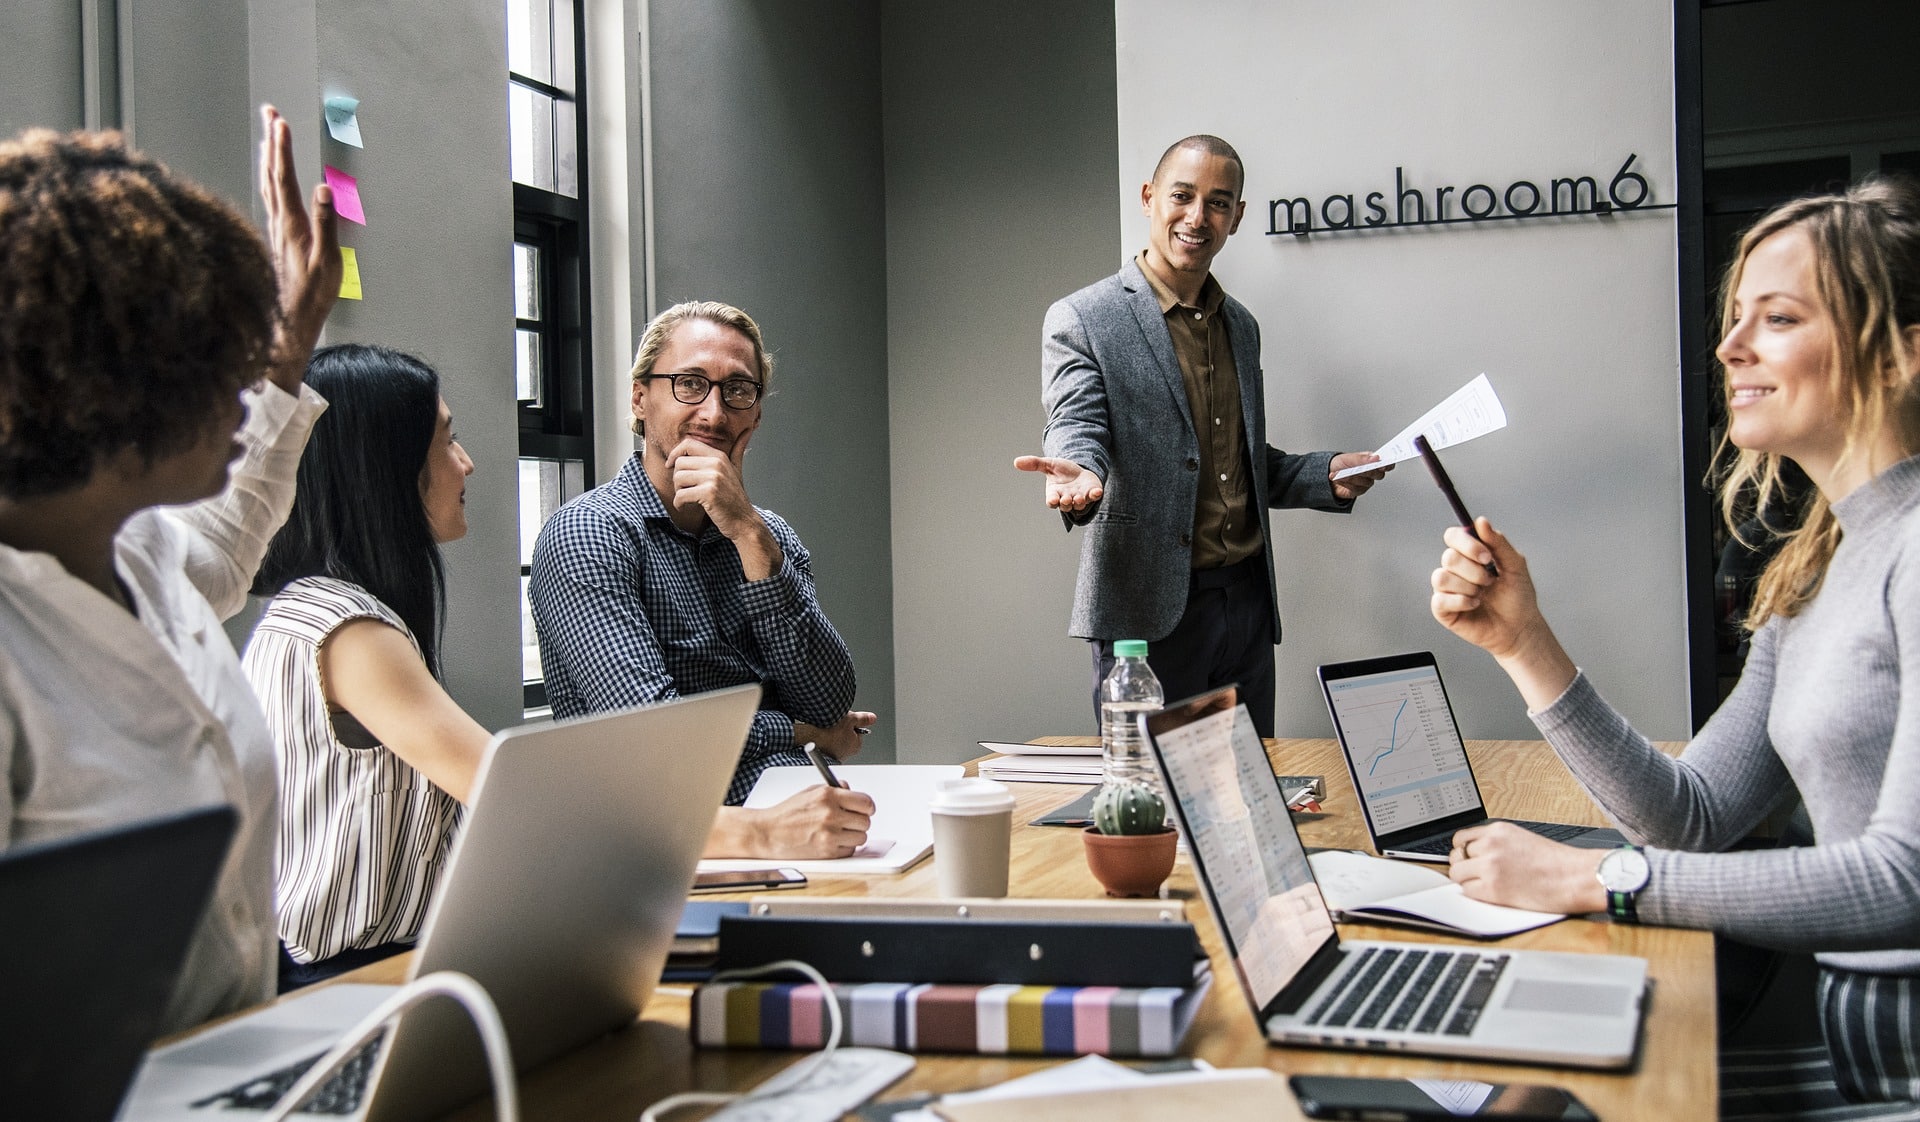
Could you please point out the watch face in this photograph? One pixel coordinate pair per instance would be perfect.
(1624, 870)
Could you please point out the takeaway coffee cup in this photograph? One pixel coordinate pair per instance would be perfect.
(972, 828)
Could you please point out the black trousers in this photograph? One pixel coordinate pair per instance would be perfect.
(1225, 637)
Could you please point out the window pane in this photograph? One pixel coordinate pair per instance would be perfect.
(566, 161)
(526, 365)
(530, 128)
(530, 39)
(529, 641)
(544, 486)
(526, 281)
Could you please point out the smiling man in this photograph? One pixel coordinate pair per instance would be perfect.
(1156, 442)
(667, 581)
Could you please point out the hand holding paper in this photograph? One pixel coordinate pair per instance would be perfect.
(1470, 411)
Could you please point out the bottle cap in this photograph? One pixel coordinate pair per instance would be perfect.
(1130, 648)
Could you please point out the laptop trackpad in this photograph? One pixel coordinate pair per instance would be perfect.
(1541, 995)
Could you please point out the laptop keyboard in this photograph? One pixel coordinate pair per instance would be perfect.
(1387, 987)
(338, 1095)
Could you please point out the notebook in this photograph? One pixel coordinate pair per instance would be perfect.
(560, 898)
(1307, 986)
(902, 830)
(117, 908)
(1408, 763)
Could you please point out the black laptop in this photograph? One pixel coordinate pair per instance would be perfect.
(94, 929)
(1408, 763)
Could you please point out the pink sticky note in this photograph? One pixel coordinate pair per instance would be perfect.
(346, 196)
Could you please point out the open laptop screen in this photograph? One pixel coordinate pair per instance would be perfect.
(1402, 746)
(1252, 866)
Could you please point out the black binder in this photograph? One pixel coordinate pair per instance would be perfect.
(967, 951)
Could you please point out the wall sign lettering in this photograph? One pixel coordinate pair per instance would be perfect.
(1562, 197)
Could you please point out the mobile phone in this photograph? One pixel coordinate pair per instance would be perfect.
(1433, 1100)
(738, 880)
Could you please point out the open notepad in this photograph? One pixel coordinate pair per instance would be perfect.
(1363, 889)
(902, 831)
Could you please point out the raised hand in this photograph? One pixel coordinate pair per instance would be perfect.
(304, 243)
(1070, 487)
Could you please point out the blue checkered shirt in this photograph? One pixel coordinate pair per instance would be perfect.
(631, 609)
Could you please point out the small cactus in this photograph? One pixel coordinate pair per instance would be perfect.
(1129, 808)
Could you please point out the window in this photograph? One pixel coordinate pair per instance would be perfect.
(552, 364)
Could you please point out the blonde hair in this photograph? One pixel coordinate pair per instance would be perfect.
(1866, 247)
(654, 340)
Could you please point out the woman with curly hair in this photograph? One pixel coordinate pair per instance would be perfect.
(144, 466)
(1821, 347)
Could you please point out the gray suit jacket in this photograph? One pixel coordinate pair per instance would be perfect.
(1116, 405)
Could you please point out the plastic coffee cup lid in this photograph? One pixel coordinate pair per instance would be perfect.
(972, 796)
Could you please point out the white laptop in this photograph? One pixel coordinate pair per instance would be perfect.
(560, 898)
(1408, 763)
(1306, 986)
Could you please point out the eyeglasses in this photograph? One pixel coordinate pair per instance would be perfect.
(692, 389)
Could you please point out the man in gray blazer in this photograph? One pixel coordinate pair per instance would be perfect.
(1156, 442)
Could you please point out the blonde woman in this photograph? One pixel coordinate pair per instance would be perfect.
(1821, 350)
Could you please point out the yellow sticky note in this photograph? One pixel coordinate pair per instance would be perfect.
(350, 275)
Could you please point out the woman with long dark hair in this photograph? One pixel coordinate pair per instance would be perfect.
(375, 758)
(1821, 348)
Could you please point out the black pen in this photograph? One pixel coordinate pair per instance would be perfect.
(1421, 446)
(819, 759)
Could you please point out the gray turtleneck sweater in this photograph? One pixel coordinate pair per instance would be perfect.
(1829, 702)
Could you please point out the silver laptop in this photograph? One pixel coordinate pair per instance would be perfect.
(1307, 986)
(560, 898)
(1408, 763)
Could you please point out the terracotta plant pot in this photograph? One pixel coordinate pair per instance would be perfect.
(1130, 864)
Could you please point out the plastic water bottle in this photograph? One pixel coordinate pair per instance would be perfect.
(1128, 690)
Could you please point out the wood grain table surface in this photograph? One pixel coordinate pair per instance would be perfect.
(1673, 1078)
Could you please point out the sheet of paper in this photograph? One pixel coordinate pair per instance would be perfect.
(1470, 411)
(349, 274)
(902, 831)
(346, 195)
(1040, 749)
(343, 120)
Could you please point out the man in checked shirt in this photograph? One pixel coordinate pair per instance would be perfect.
(667, 581)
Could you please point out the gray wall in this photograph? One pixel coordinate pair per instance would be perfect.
(40, 56)
(1000, 194)
(433, 176)
(769, 195)
(1573, 320)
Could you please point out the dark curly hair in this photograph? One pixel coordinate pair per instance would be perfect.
(133, 303)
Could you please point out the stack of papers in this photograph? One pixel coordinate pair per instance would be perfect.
(1042, 763)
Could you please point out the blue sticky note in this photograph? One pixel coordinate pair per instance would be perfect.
(343, 120)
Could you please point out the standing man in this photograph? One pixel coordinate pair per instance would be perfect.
(667, 581)
(1156, 441)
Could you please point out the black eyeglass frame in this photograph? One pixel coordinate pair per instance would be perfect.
(759, 389)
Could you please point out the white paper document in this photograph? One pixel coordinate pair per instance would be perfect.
(1472, 410)
(902, 831)
(1360, 888)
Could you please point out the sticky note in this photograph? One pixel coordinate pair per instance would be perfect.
(349, 275)
(346, 196)
(343, 120)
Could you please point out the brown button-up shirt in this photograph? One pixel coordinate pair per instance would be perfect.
(1225, 529)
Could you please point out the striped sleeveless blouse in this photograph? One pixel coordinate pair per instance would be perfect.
(363, 836)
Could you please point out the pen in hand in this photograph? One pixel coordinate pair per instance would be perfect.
(1421, 446)
(819, 759)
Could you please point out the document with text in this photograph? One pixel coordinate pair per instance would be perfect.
(1470, 411)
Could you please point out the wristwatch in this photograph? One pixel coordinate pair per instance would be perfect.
(1623, 873)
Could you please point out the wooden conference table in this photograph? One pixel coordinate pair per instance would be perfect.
(1675, 1077)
